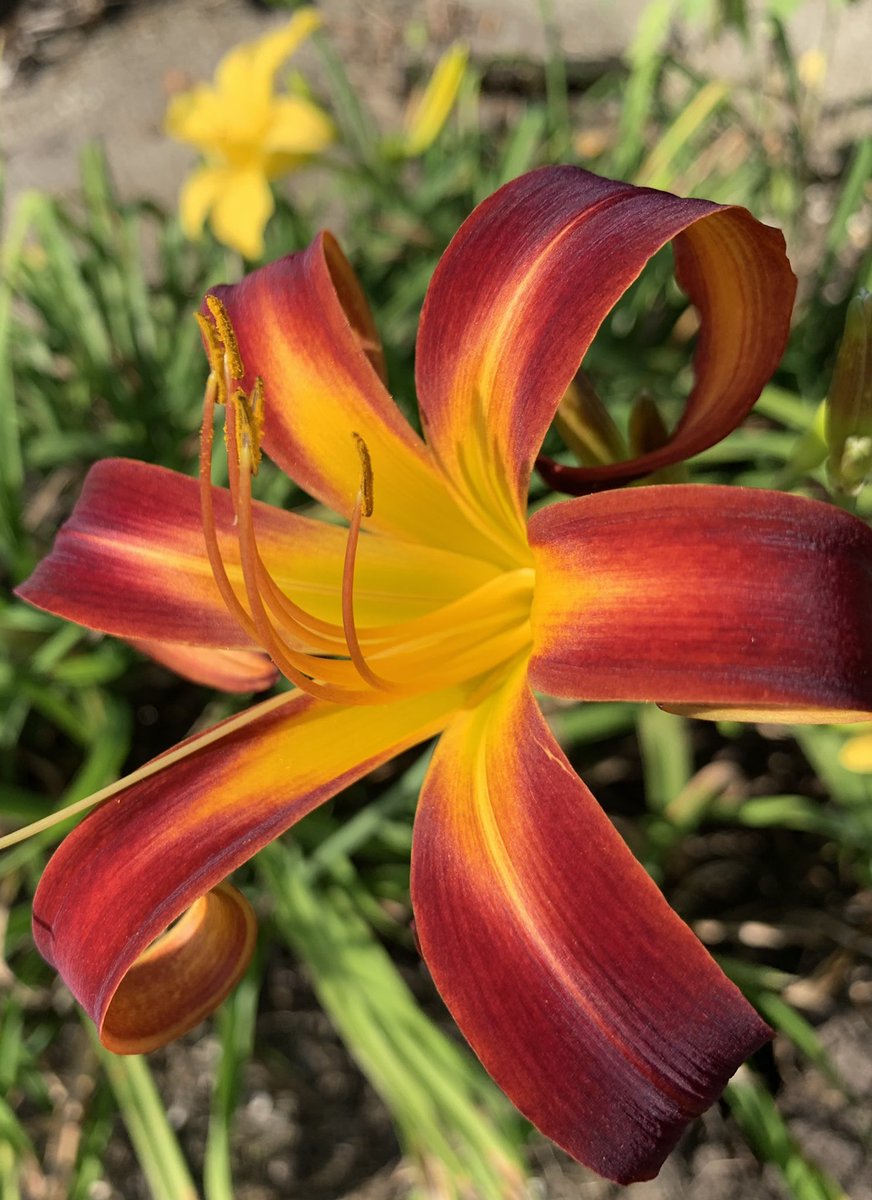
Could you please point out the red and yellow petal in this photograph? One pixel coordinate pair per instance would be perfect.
(526, 283)
(132, 561)
(303, 326)
(586, 998)
(226, 670)
(713, 598)
(151, 852)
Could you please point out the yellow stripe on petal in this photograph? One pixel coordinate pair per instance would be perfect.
(303, 327)
(132, 561)
(520, 293)
(706, 599)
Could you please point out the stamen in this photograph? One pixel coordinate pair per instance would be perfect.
(248, 414)
(215, 355)
(363, 507)
(228, 338)
(249, 422)
(315, 633)
(365, 474)
(207, 512)
(243, 429)
(293, 665)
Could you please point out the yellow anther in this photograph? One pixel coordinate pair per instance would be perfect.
(365, 474)
(226, 336)
(215, 354)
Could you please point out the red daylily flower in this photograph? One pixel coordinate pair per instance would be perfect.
(587, 999)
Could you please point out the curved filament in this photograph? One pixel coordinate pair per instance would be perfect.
(363, 507)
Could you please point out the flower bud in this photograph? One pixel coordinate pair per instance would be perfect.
(427, 115)
(849, 402)
(584, 423)
(647, 432)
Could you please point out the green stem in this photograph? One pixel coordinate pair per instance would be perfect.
(154, 1142)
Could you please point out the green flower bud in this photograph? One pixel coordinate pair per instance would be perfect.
(849, 402)
(586, 427)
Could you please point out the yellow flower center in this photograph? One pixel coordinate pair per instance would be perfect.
(469, 638)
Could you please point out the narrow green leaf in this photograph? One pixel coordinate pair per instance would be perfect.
(667, 760)
(154, 1142)
(235, 1022)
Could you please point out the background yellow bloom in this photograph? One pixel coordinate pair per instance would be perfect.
(248, 136)
(856, 752)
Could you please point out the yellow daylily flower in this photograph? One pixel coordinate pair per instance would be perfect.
(248, 136)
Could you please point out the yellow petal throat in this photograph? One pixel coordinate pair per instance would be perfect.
(467, 639)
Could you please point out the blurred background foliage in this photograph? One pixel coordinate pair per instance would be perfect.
(760, 836)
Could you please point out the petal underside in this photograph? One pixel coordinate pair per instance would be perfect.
(586, 998)
(132, 561)
(226, 670)
(502, 333)
(303, 326)
(162, 846)
(716, 600)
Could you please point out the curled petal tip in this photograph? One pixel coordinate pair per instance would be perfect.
(502, 335)
(184, 975)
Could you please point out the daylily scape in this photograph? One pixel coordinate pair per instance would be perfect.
(435, 609)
